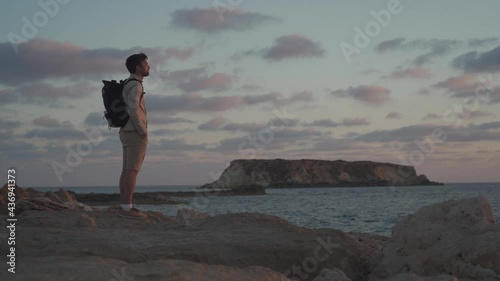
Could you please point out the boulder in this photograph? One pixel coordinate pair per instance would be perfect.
(331, 275)
(456, 237)
(96, 268)
(4, 197)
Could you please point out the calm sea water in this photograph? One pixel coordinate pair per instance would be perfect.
(360, 209)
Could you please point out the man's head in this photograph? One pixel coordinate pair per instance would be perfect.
(138, 64)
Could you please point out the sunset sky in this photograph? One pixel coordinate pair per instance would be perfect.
(405, 82)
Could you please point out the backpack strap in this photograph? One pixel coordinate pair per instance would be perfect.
(131, 79)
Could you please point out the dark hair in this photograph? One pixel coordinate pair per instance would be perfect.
(134, 60)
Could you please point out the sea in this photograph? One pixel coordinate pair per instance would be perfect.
(351, 209)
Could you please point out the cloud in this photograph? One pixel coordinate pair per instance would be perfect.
(355, 122)
(432, 116)
(336, 145)
(181, 54)
(278, 140)
(293, 46)
(8, 96)
(471, 133)
(479, 62)
(367, 94)
(250, 87)
(216, 20)
(197, 79)
(167, 132)
(404, 134)
(245, 127)
(482, 42)
(179, 144)
(415, 72)
(94, 119)
(193, 102)
(303, 96)
(393, 115)
(216, 82)
(287, 122)
(40, 59)
(389, 45)
(424, 91)
(10, 124)
(44, 93)
(434, 47)
(269, 97)
(469, 86)
(61, 133)
(480, 114)
(158, 118)
(41, 91)
(347, 122)
(46, 121)
(183, 76)
(459, 83)
(213, 124)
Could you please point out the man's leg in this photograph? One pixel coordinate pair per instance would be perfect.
(122, 185)
(129, 180)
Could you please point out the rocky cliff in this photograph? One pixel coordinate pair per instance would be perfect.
(315, 173)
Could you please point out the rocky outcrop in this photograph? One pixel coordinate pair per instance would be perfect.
(450, 241)
(456, 238)
(29, 199)
(162, 197)
(315, 173)
(165, 248)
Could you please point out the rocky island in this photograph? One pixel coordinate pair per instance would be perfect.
(254, 173)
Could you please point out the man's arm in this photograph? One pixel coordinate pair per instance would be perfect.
(133, 102)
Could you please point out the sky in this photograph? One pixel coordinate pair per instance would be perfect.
(405, 82)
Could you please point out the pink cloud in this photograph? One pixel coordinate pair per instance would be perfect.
(40, 59)
(293, 46)
(355, 122)
(213, 124)
(393, 115)
(179, 53)
(216, 82)
(416, 72)
(368, 94)
(46, 121)
(213, 20)
(459, 83)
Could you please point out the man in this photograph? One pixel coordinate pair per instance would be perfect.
(134, 135)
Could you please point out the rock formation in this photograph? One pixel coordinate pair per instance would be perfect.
(315, 173)
(456, 240)
(456, 237)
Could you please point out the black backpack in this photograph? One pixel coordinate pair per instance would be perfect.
(112, 97)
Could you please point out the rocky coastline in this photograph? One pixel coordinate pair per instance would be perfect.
(59, 238)
(275, 173)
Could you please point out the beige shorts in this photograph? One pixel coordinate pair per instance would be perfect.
(134, 149)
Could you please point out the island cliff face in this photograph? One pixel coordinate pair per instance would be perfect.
(264, 173)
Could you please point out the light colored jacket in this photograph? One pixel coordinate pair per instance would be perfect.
(135, 105)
